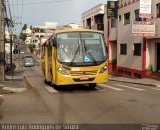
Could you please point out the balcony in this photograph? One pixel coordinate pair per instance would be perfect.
(99, 26)
(88, 27)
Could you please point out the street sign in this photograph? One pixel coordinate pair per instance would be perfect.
(145, 8)
(140, 28)
(112, 9)
(15, 51)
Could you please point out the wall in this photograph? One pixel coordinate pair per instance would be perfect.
(124, 36)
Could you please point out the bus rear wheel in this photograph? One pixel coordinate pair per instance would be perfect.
(92, 86)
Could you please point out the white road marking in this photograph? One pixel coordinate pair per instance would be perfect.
(51, 90)
(120, 85)
(156, 89)
(14, 89)
(114, 88)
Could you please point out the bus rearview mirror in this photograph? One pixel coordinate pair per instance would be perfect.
(54, 43)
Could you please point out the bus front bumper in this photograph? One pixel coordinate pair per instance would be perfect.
(84, 79)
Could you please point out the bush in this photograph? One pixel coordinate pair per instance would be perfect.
(113, 61)
(149, 68)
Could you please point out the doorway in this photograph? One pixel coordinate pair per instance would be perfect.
(158, 57)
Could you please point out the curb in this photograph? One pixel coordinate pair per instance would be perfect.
(153, 85)
(29, 85)
(10, 89)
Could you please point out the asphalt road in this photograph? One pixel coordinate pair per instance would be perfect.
(110, 103)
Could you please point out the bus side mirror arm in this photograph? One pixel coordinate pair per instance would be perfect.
(54, 43)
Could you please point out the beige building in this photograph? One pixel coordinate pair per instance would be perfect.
(94, 18)
(72, 26)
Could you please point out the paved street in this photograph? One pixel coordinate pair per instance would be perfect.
(80, 41)
(111, 103)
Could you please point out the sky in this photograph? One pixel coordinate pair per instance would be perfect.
(63, 12)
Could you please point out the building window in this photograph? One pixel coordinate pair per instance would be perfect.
(123, 49)
(127, 18)
(113, 22)
(137, 49)
(84, 23)
(158, 9)
(137, 18)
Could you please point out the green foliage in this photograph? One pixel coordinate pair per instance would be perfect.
(31, 27)
(23, 35)
(24, 27)
(31, 48)
(114, 61)
(8, 22)
(149, 68)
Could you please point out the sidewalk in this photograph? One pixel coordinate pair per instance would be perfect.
(14, 82)
(144, 81)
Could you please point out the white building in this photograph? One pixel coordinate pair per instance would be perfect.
(40, 32)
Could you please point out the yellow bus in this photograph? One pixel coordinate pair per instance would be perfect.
(75, 57)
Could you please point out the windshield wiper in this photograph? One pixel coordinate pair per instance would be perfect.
(76, 52)
(90, 53)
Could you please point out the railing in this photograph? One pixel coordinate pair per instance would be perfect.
(88, 27)
(99, 26)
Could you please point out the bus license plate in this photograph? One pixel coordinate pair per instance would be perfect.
(84, 78)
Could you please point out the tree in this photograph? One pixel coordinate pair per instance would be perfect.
(23, 34)
(8, 22)
(24, 27)
(31, 27)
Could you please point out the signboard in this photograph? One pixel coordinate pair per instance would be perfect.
(112, 9)
(143, 28)
(15, 51)
(145, 9)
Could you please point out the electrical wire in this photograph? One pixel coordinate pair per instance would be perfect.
(47, 2)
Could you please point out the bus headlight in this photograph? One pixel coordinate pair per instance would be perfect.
(62, 71)
(103, 69)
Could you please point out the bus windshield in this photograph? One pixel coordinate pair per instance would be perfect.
(81, 48)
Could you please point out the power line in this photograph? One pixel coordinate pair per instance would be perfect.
(22, 12)
(13, 10)
(47, 2)
(17, 8)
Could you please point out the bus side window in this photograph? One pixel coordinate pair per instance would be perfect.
(49, 50)
(54, 43)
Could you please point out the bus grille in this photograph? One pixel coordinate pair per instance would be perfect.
(79, 73)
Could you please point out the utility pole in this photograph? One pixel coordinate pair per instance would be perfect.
(2, 45)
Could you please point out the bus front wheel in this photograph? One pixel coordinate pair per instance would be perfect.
(92, 86)
(46, 82)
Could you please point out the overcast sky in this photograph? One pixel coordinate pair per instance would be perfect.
(63, 12)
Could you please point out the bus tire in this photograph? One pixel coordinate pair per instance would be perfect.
(92, 86)
(51, 74)
(45, 81)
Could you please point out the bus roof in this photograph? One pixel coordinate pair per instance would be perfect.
(68, 30)
(75, 30)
